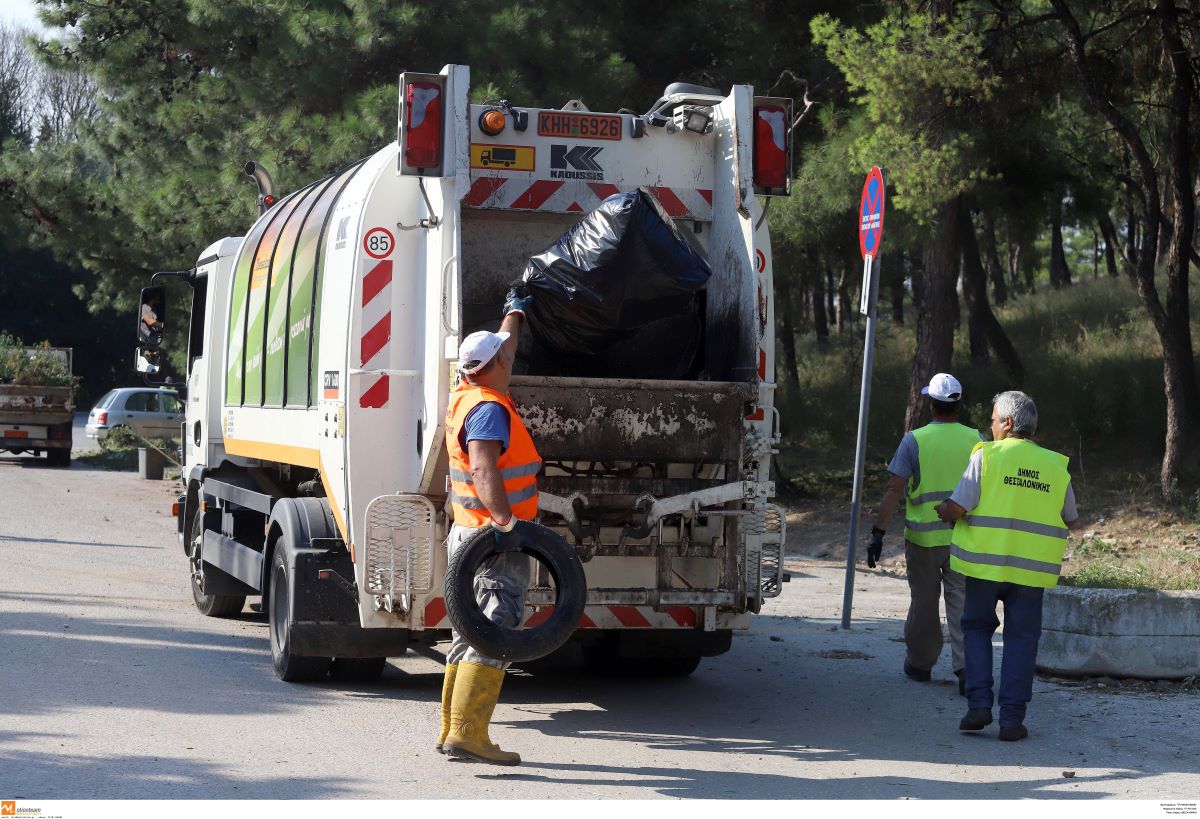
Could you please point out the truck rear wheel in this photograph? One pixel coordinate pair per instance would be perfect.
(58, 457)
(289, 666)
(210, 605)
(358, 669)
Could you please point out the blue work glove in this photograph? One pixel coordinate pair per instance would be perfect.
(875, 547)
(517, 300)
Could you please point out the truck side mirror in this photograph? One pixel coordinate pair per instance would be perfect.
(148, 361)
(152, 317)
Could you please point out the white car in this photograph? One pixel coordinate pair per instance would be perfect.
(152, 413)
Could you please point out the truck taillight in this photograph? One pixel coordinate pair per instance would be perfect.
(423, 125)
(770, 147)
(102, 418)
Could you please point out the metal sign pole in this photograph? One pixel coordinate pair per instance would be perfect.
(867, 306)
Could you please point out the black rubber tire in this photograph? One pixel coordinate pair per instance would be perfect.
(357, 669)
(659, 666)
(210, 605)
(516, 645)
(58, 457)
(640, 654)
(289, 667)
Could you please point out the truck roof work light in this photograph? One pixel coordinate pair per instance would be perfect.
(492, 121)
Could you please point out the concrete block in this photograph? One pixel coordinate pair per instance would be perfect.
(1151, 635)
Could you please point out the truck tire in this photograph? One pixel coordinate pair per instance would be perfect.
(657, 666)
(357, 669)
(289, 666)
(516, 645)
(210, 605)
(58, 457)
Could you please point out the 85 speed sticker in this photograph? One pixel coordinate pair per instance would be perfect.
(378, 242)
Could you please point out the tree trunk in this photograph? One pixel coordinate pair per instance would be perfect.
(791, 373)
(1060, 274)
(820, 317)
(1171, 322)
(830, 296)
(975, 291)
(1015, 252)
(1178, 359)
(936, 310)
(995, 271)
(845, 310)
(1109, 231)
(898, 301)
(976, 338)
(1131, 238)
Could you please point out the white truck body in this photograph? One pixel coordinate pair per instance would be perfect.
(321, 361)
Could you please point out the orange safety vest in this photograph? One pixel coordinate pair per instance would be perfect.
(518, 465)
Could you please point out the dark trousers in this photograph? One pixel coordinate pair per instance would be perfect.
(1022, 629)
(929, 579)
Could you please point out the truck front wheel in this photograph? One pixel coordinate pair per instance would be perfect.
(210, 605)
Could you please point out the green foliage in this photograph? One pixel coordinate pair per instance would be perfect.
(33, 366)
(914, 81)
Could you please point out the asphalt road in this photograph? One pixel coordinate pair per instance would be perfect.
(113, 686)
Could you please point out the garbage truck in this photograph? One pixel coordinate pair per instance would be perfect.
(322, 349)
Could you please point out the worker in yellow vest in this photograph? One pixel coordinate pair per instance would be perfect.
(924, 471)
(1011, 511)
(493, 481)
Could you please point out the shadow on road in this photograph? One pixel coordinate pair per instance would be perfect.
(139, 776)
(685, 783)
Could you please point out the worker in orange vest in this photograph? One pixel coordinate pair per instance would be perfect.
(493, 479)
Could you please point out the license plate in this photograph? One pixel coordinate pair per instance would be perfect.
(578, 126)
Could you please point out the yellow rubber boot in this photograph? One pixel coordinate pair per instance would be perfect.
(476, 691)
(447, 694)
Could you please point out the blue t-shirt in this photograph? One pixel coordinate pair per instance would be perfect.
(487, 422)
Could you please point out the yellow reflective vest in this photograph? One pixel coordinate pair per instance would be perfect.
(943, 451)
(1016, 534)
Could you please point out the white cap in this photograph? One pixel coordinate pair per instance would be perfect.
(478, 349)
(943, 387)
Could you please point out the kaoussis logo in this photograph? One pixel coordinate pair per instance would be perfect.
(8, 808)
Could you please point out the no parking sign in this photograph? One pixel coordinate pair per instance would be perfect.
(870, 234)
(870, 210)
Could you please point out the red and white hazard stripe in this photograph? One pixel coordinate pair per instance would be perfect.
(375, 342)
(577, 196)
(596, 617)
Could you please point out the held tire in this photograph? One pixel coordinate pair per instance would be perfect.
(210, 605)
(516, 645)
(289, 667)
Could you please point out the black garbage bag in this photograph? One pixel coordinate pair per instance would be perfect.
(622, 267)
